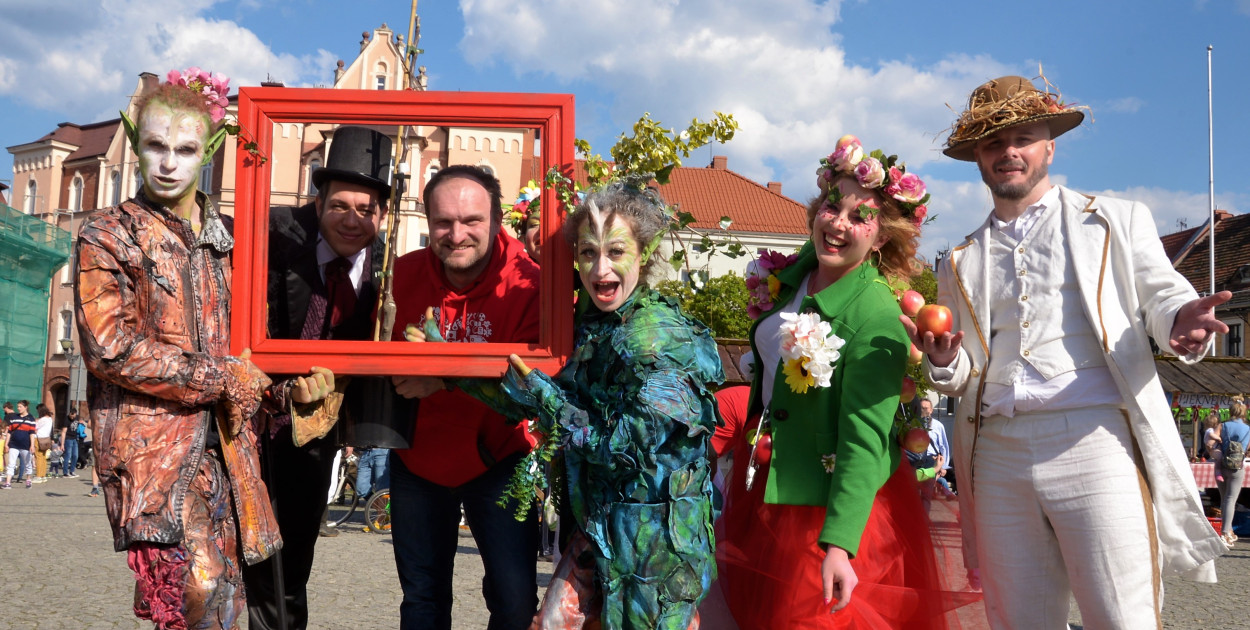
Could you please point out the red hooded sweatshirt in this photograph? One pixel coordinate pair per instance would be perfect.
(458, 438)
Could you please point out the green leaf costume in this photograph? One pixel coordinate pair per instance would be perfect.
(633, 411)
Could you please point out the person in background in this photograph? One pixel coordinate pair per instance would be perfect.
(21, 441)
(1230, 470)
(372, 470)
(4, 434)
(43, 441)
(69, 439)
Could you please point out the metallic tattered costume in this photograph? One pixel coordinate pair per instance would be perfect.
(153, 305)
(633, 411)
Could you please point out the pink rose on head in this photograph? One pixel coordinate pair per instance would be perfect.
(870, 173)
(919, 214)
(847, 156)
(908, 188)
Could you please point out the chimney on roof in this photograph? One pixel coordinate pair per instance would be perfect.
(774, 187)
(720, 162)
(269, 82)
(1220, 215)
(150, 81)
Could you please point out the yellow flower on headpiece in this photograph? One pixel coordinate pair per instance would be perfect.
(797, 377)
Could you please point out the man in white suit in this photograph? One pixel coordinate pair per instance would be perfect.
(1073, 477)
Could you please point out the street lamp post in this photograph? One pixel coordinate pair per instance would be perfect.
(77, 379)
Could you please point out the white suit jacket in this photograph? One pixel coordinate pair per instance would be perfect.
(1129, 290)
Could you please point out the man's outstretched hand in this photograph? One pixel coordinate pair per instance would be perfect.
(941, 349)
(1196, 323)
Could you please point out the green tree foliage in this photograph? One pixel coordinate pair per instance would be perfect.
(926, 285)
(721, 303)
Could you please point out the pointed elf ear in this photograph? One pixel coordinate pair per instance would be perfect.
(132, 132)
(214, 143)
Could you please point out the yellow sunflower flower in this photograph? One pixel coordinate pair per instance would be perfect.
(797, 377)
(774, 287)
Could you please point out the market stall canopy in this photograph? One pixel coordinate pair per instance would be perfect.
(1209, 383)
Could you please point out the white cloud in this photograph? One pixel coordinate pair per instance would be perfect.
(1126, 105)
(777, 67)
(83, 59)
(1170, 206)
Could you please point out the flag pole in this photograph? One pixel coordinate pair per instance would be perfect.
(1211, 170)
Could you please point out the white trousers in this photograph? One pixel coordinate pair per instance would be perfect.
(1062, 510)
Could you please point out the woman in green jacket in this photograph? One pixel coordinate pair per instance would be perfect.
(818, 516)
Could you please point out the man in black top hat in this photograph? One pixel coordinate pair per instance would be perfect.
(323, 264)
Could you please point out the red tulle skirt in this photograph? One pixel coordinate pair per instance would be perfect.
(770, 560)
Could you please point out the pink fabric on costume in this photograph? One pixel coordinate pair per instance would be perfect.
(161, 573)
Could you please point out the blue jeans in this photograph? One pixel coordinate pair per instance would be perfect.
(425, 523)
(372, 471)
(69, 460)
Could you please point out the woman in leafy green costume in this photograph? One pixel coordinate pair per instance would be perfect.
(633, 411)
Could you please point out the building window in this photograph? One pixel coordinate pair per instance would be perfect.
(424, 241)
(1232, 341)
(313, 165)
(31, 193)
(206, 178)
(380, 82)
(138, 181)
(75, 193)
(66, 327)
(115, 198)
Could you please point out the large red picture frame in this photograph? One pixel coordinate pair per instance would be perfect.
(260, 108)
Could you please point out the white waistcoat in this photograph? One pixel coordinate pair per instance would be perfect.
(1038, 316)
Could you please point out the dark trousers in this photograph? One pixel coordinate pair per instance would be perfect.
(299, 480)
(425, 519)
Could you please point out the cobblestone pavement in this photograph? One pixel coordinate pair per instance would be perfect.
(58, 556)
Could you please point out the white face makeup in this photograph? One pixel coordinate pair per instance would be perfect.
(608, 260)
(171, 147)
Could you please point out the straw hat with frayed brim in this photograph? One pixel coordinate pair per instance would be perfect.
(1008, 102)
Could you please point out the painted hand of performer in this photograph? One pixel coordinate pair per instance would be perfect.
(420, 386)
(941, 350)
(838, 578)
(1196, 323)
(519, 365)
(314, 387)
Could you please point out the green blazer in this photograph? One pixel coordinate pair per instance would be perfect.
(853, 417)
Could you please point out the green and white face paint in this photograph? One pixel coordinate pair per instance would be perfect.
(608, 260)
(171, 149)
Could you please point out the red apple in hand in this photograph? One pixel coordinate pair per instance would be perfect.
(911, 302)
(764, 448)
(933, 318)
(916, 440)
(909, 390)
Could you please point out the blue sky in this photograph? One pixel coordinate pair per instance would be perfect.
(797, 75)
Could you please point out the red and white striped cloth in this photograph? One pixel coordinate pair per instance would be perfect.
(1204, 474)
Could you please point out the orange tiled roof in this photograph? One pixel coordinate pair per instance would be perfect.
(711, 192)
(1232, 250)
(92, 140)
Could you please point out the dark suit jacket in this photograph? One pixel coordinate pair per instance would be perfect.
(294, 276)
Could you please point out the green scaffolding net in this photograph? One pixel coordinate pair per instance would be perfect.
(30, 253)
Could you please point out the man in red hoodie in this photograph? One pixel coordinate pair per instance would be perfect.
(483, 288)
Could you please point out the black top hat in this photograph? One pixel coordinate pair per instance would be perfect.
(359, 155)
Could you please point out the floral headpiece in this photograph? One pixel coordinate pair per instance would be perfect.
(214, 88)
(528, 204)
(874, 171)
